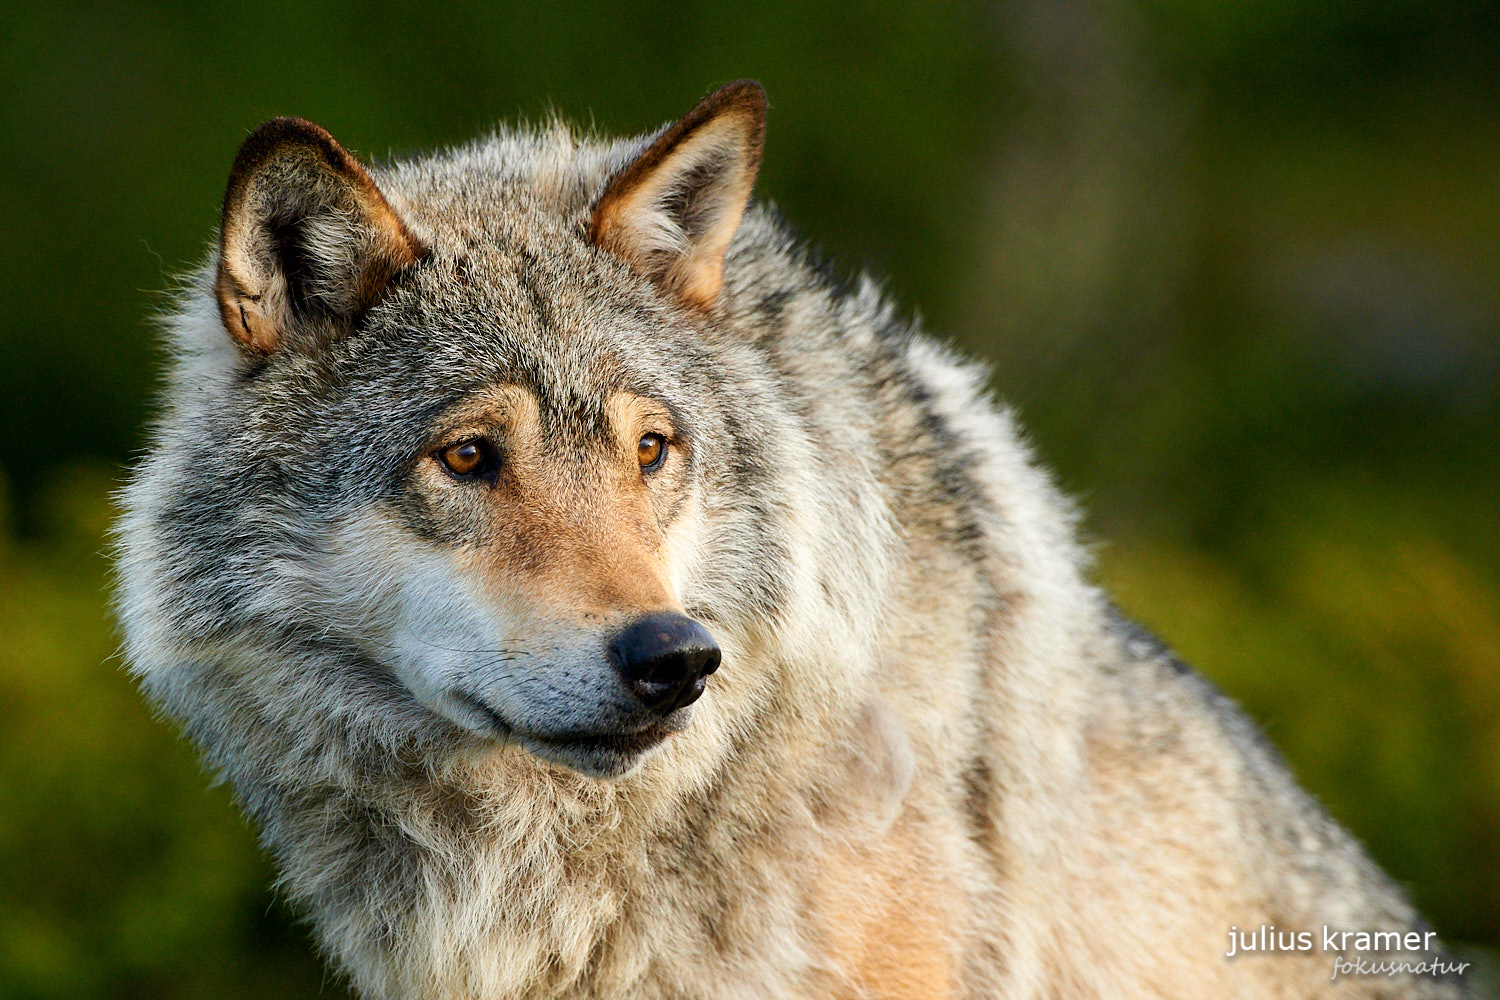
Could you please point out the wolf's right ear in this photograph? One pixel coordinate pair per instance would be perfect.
(671, 212)
(306, 238)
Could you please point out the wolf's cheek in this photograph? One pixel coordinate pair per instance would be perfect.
(400, 599)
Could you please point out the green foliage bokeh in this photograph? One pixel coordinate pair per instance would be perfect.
(1235, 264)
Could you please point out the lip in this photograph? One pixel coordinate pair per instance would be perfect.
(595, 755)
(626, 743)
(596, 744)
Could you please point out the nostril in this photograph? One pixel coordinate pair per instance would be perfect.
(663, 658)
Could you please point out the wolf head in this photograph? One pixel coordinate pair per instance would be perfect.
(471, 453)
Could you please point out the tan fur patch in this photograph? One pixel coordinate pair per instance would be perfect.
(559, 536)
(886, 917)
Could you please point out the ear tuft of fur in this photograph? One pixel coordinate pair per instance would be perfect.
(305, 236)
(671, 212)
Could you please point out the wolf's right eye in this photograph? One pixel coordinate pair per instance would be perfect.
(472, 459)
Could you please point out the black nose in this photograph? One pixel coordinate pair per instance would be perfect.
(664, 659)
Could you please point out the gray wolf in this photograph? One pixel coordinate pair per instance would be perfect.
(587, 596)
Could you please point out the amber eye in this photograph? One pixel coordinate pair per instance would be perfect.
(472, 459)
(652, 451)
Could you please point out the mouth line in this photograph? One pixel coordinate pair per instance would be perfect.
(496, 720)
(618, 744)
(622, 743)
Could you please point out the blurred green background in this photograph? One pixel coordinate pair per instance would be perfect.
(1236, 265)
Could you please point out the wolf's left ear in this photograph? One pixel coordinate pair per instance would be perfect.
(306, 241)
(671, 212)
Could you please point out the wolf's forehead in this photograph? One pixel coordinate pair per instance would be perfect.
(508, 178)
(512, 293)
(538, 273)
(486, 315)
(489, 208)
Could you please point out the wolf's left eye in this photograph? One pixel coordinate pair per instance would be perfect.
(651, 452)
(472, 459)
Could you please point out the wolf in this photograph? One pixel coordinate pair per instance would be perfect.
(587, 594)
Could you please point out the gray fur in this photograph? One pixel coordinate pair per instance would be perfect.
(925, 710)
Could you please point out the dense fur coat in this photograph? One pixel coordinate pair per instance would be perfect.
(934, 761)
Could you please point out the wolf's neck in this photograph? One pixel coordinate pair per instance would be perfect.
(436, 889)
